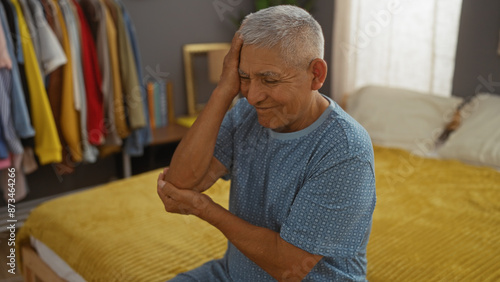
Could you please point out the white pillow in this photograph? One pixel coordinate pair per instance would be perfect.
(477, 140)
(402, 118)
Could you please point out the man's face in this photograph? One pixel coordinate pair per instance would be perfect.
(281, 95)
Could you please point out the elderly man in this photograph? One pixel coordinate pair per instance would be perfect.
(302, 176)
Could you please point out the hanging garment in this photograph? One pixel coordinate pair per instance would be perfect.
(9, 15)
(90, 153)
(74, 39)
(30, 23)
(134, 145)
(118, 98)
(96, 15)
(4, 150)
(92, 75)
(128, 70)
(19, 110)
(54, 80)
(47, 144)
(60, 91)
(13, 26)
(5, 61)
(52, 56)
(114, 66)
(9, 133)
(51, 53)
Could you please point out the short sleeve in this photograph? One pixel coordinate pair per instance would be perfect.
(331, 214)
(224, 147)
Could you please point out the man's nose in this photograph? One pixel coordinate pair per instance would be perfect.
(256, 93)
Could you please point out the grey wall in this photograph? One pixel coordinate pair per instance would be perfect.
(477, 62)
(163, 27)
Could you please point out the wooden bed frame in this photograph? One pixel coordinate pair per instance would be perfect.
(35, 269)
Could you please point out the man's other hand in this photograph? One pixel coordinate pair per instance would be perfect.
(182, 201)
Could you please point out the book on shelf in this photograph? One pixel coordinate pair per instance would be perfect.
(163, 104)
(151, 104)
(158, 104)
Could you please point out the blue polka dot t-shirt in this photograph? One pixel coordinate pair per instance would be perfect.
(316, 187)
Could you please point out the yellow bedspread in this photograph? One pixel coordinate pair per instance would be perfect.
(121, 232)
(434, 221)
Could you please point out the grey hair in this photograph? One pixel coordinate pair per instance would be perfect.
(294, 31)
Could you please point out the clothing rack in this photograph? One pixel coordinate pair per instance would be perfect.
(70, 84)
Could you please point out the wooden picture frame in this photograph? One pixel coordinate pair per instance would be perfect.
(189, 51)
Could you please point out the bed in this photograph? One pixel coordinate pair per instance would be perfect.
(437, 216)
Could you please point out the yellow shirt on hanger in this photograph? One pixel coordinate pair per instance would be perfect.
(70, 118)
(47, 144)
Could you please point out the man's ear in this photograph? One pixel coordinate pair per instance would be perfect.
(318, 69)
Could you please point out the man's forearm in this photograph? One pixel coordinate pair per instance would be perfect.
(263, 246)
(282, 260)
(193, 155)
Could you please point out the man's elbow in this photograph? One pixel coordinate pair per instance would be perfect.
(295, 262)
(299, 269)
(184, 179)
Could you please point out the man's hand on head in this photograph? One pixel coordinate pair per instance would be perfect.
(229, 83)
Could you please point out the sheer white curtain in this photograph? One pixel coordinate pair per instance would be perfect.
(398, 43)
